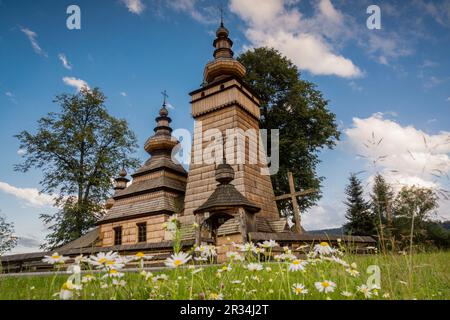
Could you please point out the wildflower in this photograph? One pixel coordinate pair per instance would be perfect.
(113, 273)
(386, 295)
(365, 290)
(268, 269)
(236, 282)
(87, 278)
(107, 261)
(119, 283)
(297, 265)
(234, 256)
(225, 269)
(195, 225)
(325, 286)
(299, 288)
(254, 267)
(206, 251)
(352, 272)
(259, 250)
(160, 277)
(67, 290)
(336, 260)
(142, 256)
(346, 293)
(323, 248)
(216, 296)
(268, 244)
(177, 260)
(246, 247)
(55, 258)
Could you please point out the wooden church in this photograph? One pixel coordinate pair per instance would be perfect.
(217, 203)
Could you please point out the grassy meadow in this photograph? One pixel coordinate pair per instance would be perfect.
(320, 276)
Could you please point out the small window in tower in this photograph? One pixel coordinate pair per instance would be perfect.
(203, 94)
(222, 87)
(142, 232)
(117, 236)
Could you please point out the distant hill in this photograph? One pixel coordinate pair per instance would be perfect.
(331, 232)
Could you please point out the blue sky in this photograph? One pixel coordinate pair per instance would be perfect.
(392, 83)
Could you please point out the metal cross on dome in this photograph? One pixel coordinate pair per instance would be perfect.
(165, 95)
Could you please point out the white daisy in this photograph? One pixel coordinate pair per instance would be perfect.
(254, 267)
(177, 259)
(365, 290)
(346, 293)
(109, 260)
(234, 256)
(297, 265)
(299, 288)
(268, 244)
(323, 248)
(55, 258)
(352, 272)
(325, 286)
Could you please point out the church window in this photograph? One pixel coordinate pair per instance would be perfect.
(142, 232)
(117, 236)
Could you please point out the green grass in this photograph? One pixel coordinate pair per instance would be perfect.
(427, 279)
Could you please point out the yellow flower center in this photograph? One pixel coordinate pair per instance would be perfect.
(140, 255)
(178, 262)
(325, 284)
(296, 262)
(298, 290)
(113, 271)
(56, 257)
(102, 260)
(110, 262)
(324, 244)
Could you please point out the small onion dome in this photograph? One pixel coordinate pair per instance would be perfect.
(109, 203)
(224, 173)
(163, 112)
(222, 31)
(123, 173)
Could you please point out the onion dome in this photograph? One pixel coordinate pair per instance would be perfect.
(121, 181)
(226, 195)
(223, 65)
(162, 140)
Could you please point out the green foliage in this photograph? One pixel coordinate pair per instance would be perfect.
(7, 239)
(428, 281)
(413, 207)
(299, 111)
(361, 218)
(78, 150)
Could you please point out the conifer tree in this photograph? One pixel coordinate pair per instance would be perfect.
(360, 218)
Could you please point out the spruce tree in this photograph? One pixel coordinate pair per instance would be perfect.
(361, 219)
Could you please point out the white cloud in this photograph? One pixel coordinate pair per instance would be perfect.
(62, 57)
(30, 195)
(448, 99)
(123, 94)
(32, 36)
(76, 83)
(324, 216)
(203, 14)
(403, 154)
(11, 97)
(134, 6)
(21, 152)
(275, 23)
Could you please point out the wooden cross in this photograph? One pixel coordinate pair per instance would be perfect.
(293, 196)
(165, 95)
